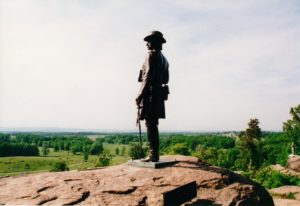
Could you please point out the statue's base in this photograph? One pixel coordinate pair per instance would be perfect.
(155, 165)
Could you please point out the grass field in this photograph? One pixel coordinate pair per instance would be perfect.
(18, 165)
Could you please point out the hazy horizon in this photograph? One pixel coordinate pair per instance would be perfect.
(74, 64)
(79, 130)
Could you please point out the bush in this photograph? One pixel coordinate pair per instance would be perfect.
(59, 166)
(75, 148)
(117, 151)
(26, 166)
(123, 151)
(180, 148)
(45, 150)
(271, 179)
(104, 159)
(136, 152)
(85, 153)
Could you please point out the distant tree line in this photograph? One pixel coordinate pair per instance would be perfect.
(17, 149)
(192, 141)
(28, 144)
(14, 148)
(124, 138)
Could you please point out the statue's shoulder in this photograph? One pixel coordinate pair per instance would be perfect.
(150, 55)
(153, 54)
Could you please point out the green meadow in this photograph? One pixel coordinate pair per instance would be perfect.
(10, 166)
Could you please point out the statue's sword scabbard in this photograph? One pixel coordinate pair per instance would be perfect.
(138, 122)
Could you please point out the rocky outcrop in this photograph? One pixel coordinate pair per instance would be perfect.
(286, 195)
(128, 185)
(292, 166)
(294, 163)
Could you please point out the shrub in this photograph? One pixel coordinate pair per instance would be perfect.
(123, 151)
(271, 179)
(136, 151)
(26, 166)
(59, 166)
(85, 153)
(117, 151)
(104, 159)
(180, 148)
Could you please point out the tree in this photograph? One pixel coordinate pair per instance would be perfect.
(75, 148)
(96, 148)
(117, 151)
(100, 139)
(123, 150)
(292, 126)
(85, 153)
(61, 145)
(4, 137)
(104, 159)
(67, 146)
(18, 149)
(56, 147)
(45, 150)
(253, 132)
(249, 144)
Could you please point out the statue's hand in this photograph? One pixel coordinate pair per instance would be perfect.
(138, 101)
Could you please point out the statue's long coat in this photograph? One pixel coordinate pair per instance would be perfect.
(155, 73)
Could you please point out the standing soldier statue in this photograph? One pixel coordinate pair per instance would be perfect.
(153, 92)
(293, 147)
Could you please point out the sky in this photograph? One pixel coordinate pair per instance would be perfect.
(75, 63)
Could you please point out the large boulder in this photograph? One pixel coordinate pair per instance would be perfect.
(292, 166)
(286, 195)
(294, 163)
(128, 185)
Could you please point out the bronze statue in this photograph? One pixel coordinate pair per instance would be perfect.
(154, 77)
(293, 148)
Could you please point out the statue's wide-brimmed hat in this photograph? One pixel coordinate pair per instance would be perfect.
(155, 35)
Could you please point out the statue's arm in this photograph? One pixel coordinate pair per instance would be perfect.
(166, 72)
(146, 80)
(166, 78)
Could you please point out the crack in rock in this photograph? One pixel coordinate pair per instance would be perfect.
(125, 191)
(163, 185)
(69, 180)
(46, 200)
(23, 197)
(34, 197)
(143, 201)
(203, 202)
(83, 197)
(45, 188)
(214, 183)
(156, 178)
